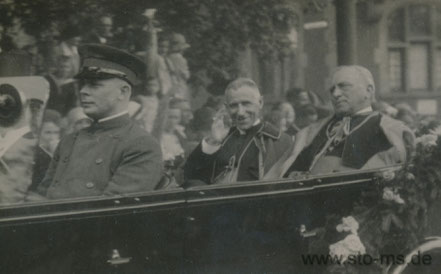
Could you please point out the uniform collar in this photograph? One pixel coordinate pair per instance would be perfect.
(113, 122)
(112, 116)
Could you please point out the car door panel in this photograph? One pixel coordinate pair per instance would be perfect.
(255, 226)
(119, 235)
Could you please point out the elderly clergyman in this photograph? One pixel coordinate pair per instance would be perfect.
(244, 152)
(113, 155)
(355, 137)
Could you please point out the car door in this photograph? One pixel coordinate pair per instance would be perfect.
(260, 227)
(139, 233)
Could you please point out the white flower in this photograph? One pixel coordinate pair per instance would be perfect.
(354, 245)
(388, 194)
(339, 251)
(351, 245)
(392, 195)
(427, 140)
(348, 224)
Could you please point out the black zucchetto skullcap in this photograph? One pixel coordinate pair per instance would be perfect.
(105, 62)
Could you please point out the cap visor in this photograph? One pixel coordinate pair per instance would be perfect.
(92, 75)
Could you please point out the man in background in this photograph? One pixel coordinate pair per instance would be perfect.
(103, 32)
(49, 137)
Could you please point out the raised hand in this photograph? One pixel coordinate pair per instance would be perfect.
(219, 128)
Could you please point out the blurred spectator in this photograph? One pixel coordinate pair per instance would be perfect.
(186, 112)
(77, 120)
(63, 89)
(129, 38)
(180, 72)
(155, 100)
(163, 46)
(306, 115)
(19, 56)
(384, 108)
(70, 38)
(148, 113)
(50, 134)
(36, 59)
(102, 33)
(299, 98)
(215, 102)
(408, 117)
(18, 37)
(277, 119)
(406, 107)
(289, 115)
(171, 139)
(165, 66)
(173, 146)
(288, 112)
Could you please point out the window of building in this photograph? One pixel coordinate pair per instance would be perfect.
(414, 48)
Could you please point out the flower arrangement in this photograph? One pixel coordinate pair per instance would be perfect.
(351, 245)
(393, 219)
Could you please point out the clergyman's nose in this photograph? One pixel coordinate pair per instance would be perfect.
(240, 109)
(336, 92)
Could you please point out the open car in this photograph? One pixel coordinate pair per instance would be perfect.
(252, 227)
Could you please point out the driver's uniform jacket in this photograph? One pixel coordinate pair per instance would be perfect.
(107, 158)
(251, 154)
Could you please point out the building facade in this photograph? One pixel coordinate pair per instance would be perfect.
(399, 41)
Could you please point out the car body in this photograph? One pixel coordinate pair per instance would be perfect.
(247, 227)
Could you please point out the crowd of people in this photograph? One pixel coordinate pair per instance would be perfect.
(235, 137)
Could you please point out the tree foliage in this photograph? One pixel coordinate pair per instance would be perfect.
(218, 31)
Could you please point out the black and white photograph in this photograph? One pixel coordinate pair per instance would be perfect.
(220, 136)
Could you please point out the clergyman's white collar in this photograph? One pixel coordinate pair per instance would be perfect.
(365, 110)
(242, 132)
